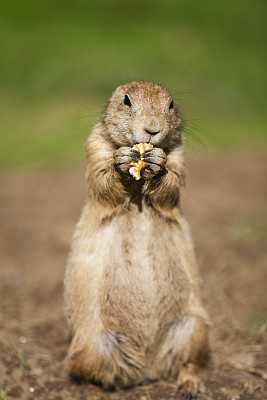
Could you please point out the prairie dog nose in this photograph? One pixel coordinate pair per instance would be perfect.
(152, 127)
(152, 131)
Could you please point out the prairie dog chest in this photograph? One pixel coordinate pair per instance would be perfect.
(144, 272)
(133, 237)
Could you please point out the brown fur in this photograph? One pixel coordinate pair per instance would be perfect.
(131, 284)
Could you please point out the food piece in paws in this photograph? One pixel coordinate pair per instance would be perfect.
(137, 166)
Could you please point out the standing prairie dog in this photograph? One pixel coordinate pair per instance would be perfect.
(131, 284)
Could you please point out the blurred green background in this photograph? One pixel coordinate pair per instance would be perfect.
(60, 61)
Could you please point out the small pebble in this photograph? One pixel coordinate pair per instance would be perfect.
(31, 389)
(22, 339)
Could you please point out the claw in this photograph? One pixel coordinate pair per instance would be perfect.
(188, 395)
(185, 394)
(135, 153)
(147, 159)
(146, 153)
(190, 384)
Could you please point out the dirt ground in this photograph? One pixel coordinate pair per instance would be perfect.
(225, 204)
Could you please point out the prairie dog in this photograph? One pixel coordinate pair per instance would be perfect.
(131, 285)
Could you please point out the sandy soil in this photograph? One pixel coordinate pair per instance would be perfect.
(225, 204)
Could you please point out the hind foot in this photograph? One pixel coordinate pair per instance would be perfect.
(189, 383)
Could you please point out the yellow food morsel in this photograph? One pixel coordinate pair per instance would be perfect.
(137, 166)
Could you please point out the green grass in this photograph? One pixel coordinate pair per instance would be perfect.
(3, 394)
(248, 230)
(23, 361)
(61, 60)
(257, 324)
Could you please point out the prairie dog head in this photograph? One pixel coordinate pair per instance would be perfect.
(143, 112)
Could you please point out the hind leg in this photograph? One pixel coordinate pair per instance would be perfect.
(107, 359)
(198, 346)
(183, 351)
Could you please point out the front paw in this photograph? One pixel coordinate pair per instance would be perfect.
(156, 161)
(123, 158)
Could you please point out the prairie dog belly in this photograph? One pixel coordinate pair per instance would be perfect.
(144, 283)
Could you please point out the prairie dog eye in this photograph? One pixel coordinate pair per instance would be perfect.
(171, 105)
(127, 101)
